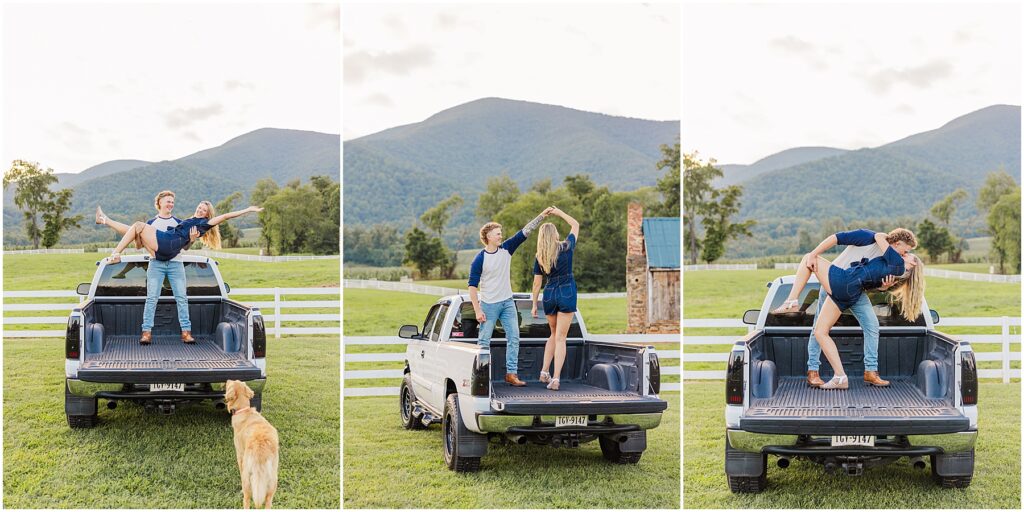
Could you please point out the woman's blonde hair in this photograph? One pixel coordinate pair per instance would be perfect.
(548, 245)
(212, 237)
(910, 292)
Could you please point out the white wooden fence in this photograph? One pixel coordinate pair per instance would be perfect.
(439, 291)
(273, 321)
(939, 272)
(46, 251)
(721, 266)
(237, 256)
(1004, 339)
(397, 357)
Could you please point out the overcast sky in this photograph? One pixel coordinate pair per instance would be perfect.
(762, 78)
(404, 63)
(84, 84)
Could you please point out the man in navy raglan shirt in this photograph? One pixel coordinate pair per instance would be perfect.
(157, 271)
(490, 289)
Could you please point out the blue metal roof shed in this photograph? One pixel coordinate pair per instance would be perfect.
(661, 241)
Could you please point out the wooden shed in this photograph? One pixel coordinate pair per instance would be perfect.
(652, 272)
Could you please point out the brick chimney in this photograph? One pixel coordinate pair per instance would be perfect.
(636, 270)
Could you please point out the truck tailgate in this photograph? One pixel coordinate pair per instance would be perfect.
(166, 360)
(900, 408)
(572, 398)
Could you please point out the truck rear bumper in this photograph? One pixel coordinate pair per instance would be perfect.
(786, 444)
(115, 390)
(161, 376)
(601, 424)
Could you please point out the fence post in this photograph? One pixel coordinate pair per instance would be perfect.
(277, 312)
(1006, 350)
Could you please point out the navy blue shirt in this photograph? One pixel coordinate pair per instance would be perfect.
(563, 264)
(872, 271)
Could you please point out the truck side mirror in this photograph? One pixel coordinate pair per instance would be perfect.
(227, 288)
(83, 288)
(750, 316)
(935, 316)
(408, 331)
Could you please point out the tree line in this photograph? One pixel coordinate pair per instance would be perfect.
(32, 195)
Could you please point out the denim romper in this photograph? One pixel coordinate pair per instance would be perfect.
(848, 284)
(560, 290)
(169, 243)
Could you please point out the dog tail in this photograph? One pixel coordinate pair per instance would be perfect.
(263, 476)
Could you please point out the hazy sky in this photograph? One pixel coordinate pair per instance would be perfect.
(404, 63)
(88, 83)
(762, 78)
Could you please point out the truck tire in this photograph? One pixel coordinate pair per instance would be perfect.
(77, 421)
(455, 434)
(960, 466)
(257, 402)
(406, 401)
(611, 450)
(744, 483)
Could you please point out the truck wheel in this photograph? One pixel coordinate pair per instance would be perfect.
(406, 402)
(745, 462)
(961, 464)
(455, 434)
(76, 421)
(611, 450)
(256, 402)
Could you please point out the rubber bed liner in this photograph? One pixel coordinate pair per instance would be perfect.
(571, 398)
(795, 405)
(165, 360)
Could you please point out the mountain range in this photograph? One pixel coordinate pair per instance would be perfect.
(396, 174)
(126, 188)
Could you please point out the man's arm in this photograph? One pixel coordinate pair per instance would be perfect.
(476, 269)
(516, 240)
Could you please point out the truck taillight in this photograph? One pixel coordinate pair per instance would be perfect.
(73, 338)
(480, 384)
(655, 373)
(968, 379)
(259, 337)
(734, 379)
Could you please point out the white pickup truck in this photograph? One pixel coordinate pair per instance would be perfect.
(609, 391)
(103, 358)
(930, 408)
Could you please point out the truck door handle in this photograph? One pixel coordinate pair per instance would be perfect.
(423, 353)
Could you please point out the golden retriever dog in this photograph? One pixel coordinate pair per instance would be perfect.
(256, 446)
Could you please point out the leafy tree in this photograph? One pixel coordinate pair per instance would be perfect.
(541, 186)
(261, 192)
(423, 251)
(718, 230)
(437, 217)
(500, 190)
(1004, 224)
(934, 240)
(579, 185)
(697, 190)
(668, 184)
(944, 209)
(996, 185)
(325, 239)
(804, 242)
(379, 245)
(55, 217)
(229, 234)
(31, 195)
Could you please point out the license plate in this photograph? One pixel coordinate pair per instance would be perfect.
(166, 387)
(853, 440)
(570, 421)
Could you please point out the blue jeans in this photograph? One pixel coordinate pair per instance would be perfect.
(506, 312)
(868, 323)
(155, 274)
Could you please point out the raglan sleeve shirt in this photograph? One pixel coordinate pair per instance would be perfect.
(858, 237)
(476, 269)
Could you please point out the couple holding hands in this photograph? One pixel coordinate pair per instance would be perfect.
(490, 290)
(164, 237)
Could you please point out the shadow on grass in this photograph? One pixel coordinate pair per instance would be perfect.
(139, 459)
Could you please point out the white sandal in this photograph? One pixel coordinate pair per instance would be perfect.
(553, 385)
(786, 308)
(115, 257)
(837, 382)
(545, 377)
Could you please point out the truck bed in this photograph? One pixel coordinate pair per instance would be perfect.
(125, 352)
(901, 398)
(572, 398)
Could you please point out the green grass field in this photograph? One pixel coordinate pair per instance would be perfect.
(804, 484)
(134, 459)
(387, 466)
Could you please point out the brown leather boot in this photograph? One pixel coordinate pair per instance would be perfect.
(873, 379)
(513, 379)
(813, 379)
(186, 336)
(147, 338)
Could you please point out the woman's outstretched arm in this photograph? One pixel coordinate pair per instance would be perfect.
(574, 225)
(230, 215)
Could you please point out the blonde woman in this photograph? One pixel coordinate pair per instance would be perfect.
(165, 245)
(845, 286)
(554, 261)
